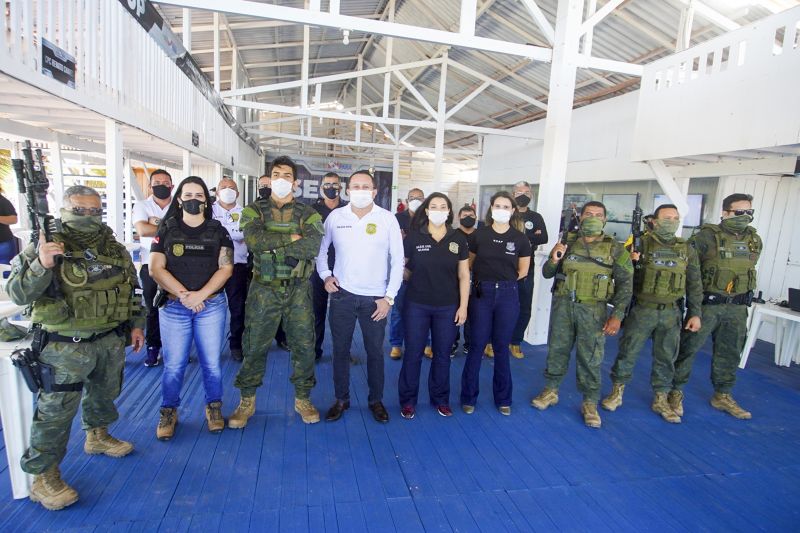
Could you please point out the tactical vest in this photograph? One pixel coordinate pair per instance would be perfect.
(97, 292)
(587, 276)
(661, 271)
(192, 259)
(274, 265)
(730, 267)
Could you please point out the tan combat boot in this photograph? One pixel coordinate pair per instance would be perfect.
(306, 410)
(99, 441)
(246, 409)
(214, 417)
(50, 490)
(166, 423)
(545, 399)
(661, 406)
(725, 402)
(675, 399)
(614, 399)
(590, 416)
(489, 350)
(516, 351)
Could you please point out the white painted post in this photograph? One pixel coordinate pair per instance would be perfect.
(187, 29)
(670, 187)
(128, 183)
(359, 85)
(441, 114)
(395, 157)
(187, 163)
(216, 51)
(114, 176)
(387, 78)
(57, 166)
(555, 151)
(469, 11)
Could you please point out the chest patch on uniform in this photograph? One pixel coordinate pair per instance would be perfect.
(510, 246)
(453, 247)
(177, 249)
(528, 225)
(372, 229)
(235, 217)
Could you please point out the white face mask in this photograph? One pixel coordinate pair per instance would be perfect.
(281, 188)
(501, 216)
(360, 199)
(228, 196)
(413, 205)
(437, 218)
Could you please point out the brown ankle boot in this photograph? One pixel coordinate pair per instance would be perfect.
(590, 415)
(545, 399)
(50, 490)
(166, 423)
(725, 402)
(214, 417)
(99, 441)
(675, 400)
(614, 399)
(246, 409)
(662, 407)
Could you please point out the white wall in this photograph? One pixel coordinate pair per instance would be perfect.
(457, 181)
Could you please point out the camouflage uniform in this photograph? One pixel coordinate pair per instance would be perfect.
(280, 290)
(665, 273)
(579, 308)
(98, 297)
(727, 264)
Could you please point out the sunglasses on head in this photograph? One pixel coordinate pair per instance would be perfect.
(87, 211)
(740, 212)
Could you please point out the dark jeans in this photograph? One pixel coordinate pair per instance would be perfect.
(419, 320)
(397, 331)
(346, 309)
(467, 335)
(8, 250)
(319, 297)
(493, 317)
(149, 287)
(236, 291)
(525, 286)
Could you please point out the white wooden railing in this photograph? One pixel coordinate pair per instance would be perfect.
(743, 84)
(120, 73)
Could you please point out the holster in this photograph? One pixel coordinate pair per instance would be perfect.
(39, 376)
(160, 299)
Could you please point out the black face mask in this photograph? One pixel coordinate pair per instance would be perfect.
(468, 222)
(523, 200)
(264, 192)
(161, 191)
(193, 206)
(330, 193)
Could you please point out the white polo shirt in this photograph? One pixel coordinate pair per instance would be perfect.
(230, 219)
(142, 211)
(369, 251)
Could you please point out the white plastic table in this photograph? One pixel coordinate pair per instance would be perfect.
(787, 333)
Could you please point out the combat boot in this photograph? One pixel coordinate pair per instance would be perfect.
(725, 402)
(545, 399)
(50, 490)
(661, 406)
(166, 423)
(675, 399)
(246, 409)
(614, 399)
(99, 441)
(306, 410)
(590, 416)
(214, 417)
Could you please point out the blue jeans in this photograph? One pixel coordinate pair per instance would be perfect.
(179, 327)
(396, 327)
(420, 320)
(8, 250)
(492, 319)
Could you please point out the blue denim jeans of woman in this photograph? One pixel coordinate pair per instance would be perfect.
(493, 316)
(8, 250)
(419, 320)
(181, 326)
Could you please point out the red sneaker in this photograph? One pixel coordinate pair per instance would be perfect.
(444, 410)
(408, 412)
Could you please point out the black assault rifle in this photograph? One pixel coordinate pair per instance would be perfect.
(636, 225)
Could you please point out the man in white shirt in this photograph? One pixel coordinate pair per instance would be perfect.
(147, 215)
(229, 213)
(364, 282)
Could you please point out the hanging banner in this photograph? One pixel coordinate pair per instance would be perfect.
(148, 18)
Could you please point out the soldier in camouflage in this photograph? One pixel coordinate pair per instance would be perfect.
(591, 270)
(667, 271)
(86, 323)
(284, 237)
(728, 254)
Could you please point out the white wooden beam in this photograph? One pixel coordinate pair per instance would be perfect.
(387, 78)
(216, 52)
(441, 113)
(684, 39)
(540, 19)
(710, 14)
(467, 99)
(588, 39)
(359, 88)
(610, 65)
(187, 35)
(599, 15)
(114, 176)
(495, 83)
(344, 142)
(670, 187)
(391, 29)
(415, 93)
(57, 166)
(469, 13)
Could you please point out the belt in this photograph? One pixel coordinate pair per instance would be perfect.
(660, 307)
(173, 297)
(500, 284)
(710, 298)
(282, 282)
(55, 337)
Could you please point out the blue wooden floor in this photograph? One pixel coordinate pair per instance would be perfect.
(485, 472)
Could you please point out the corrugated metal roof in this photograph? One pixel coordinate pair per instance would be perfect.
(639, 31)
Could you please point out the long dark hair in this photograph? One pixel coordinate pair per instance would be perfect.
(175, 210)
(420, 219)
(516, 220)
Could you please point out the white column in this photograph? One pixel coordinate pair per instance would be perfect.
(187, 163)
(128, 175)
(359, 85)
(395, 158)
(216, 51)
(216, 177)
(555, 151)
(187, 29)
(441, 117)
(387, 78)
(114, 176)
(57, 170)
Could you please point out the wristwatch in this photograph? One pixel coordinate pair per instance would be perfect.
(389, 299)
